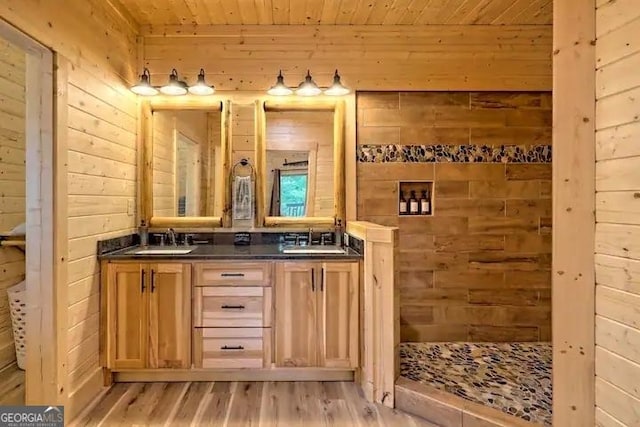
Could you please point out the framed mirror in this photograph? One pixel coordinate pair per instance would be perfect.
(300, 162)
(185, 164)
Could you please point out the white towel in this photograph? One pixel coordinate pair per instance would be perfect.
(242, 198)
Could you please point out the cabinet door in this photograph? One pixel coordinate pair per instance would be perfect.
(296, 340)
(338, 315)
(170, 315)
(127, 304)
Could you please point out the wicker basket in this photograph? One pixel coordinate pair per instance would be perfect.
(18, 307)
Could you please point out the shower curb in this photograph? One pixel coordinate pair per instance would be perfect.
(447, 410)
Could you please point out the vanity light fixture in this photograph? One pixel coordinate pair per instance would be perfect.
(201, 87)
(280, 89)
(337, 88)
(143, 87)
(175, 87)
(308, 87)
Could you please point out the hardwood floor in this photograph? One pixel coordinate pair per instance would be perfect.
(239, 404)
(11, 386)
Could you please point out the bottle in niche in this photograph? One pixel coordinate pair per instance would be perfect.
(403, 204)
(413, 204)
(425, 204)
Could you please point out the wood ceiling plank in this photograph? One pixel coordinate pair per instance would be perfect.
(264, 10)
(231, 10)
(530, 12)
(396, 12)
(437, 11)
(544, 16)
(430, 11)
(379, 11)
(511, 10)
(141, 13)
(280, 12)
(199, 15)
(248, 12)
(214, 11)
(362, 12)
(473, 14)
(167, 11)
(465, 9)
(330, 10)
(297, 11)
(347, 9)
(342, 12)
(314, 11)
(452, 8)
(490, 13)
(413, 11)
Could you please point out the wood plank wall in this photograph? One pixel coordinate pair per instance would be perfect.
(290, 129)
(449, 57)
(100, 44)
(12, 182)
(479, 269)
(618, 213)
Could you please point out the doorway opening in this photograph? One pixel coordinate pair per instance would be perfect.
(28, 375)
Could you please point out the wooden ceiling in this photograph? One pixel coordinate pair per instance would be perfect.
(340, 12)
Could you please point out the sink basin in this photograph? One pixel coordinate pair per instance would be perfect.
(314, 249)
(162, 251)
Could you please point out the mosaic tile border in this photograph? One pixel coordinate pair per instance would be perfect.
(442, 153)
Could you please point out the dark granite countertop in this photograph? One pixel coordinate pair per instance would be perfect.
(209, 252)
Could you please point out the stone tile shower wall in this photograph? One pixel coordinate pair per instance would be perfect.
(479, 268)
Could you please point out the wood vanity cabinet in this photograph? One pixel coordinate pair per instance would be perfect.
(232, 311)
(316, 314)
(148, 315)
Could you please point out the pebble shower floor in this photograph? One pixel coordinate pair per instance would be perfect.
(512, 377)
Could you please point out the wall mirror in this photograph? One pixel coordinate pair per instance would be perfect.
(185, 166)
(300, 162)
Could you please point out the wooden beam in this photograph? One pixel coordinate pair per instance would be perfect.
(573, 213)
(261, 160)
(61, 220)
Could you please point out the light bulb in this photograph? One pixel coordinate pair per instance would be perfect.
(201, 87)
(336, 89)
(308, 87)
(280, 89)
(175, 86)
(143, 87)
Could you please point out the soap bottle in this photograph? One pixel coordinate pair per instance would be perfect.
(403, 204)
(413, 203)
(338, 233)
(425, 205)
(143, 233)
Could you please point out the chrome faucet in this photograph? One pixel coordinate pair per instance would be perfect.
(171, 234)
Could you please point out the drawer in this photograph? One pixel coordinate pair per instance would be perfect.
(232, 348)
(244, 307)
(233, 274)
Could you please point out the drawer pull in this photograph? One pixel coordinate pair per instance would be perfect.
(232, 274)
(232, 347)
(232, 307)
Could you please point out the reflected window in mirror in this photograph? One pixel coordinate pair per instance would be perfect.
(186, 153)
(299, 163)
